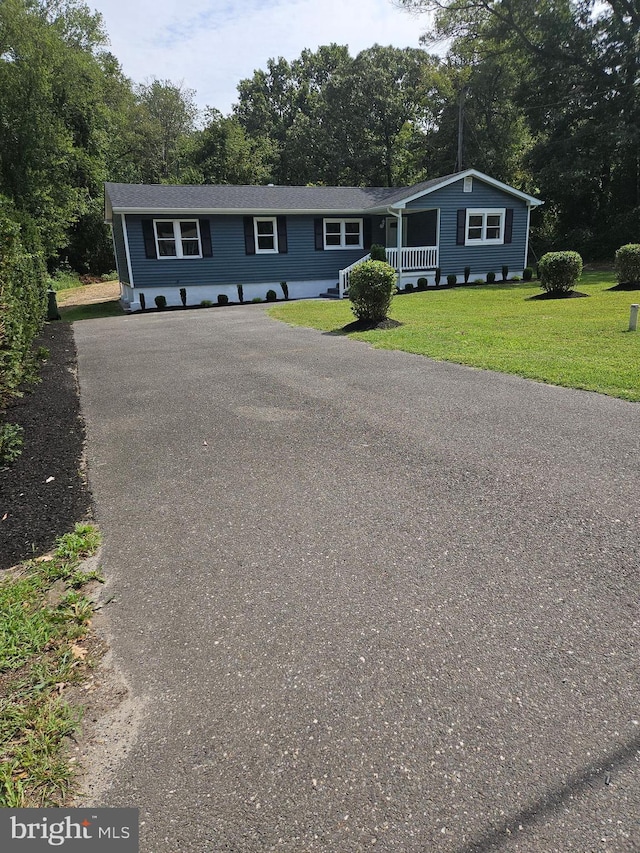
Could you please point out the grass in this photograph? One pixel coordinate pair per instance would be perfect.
(44, 620)
(578, 343)
(92, 311)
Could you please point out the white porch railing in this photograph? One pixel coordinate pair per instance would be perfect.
(345, 274)
(413, 258)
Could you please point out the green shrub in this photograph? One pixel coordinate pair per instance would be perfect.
(438, 275)
(285, 289)
(109, 276)
(183, 296)
(240, 294)
(408, 288)
(371, 288)
(527, 274)
(628, 264)
(10, 443)
(161, 302)
(256, 299)
(467, 274)
(478, 281)
(23, 297)
(378, 253)
(452, 279)
(505, 272)
(515, 278)
(223, 299)
(491, 277)
(206, 303)
(422, 284)
(272, 296)
(559, 271)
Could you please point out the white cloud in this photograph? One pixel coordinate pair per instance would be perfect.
(212, 44)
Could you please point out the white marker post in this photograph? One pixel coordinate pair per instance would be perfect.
(633, 318)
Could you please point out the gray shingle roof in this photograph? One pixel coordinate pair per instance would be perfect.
(226, 197)
(205, 198)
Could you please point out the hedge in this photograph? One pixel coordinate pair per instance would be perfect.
(23, 295)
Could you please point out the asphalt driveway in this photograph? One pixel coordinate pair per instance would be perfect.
(363, 600)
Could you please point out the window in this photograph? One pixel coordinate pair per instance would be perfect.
(266, 234)
(468, 184)
(343, 233)
(485, 226)
(177, 238)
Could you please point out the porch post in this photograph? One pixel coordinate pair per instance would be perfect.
(399, 245)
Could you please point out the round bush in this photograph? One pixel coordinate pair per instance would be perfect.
(452, 279)
(378, 253)
(422, 284)
(527, 274)
(628, 264)
(559, 271)
(272, 296)
(408, 288)
(371, 289)
(491, 277)
(161, 302)
(223, 299)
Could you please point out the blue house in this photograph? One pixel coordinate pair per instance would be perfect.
(206, 240)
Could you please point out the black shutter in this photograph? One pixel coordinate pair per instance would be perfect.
(319, 234)
(366, 232)
(283, 246)
(205, 237)
(249, 241)
(149, 239)
(508, 225)
(461, 227)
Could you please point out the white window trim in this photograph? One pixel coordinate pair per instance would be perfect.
(485, 212)
(177, 237)
(343, 244)
(274, 221)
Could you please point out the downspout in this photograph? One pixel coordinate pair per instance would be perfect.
(398, 216)
(526, 239)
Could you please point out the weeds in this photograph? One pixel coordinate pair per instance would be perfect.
(44, 620)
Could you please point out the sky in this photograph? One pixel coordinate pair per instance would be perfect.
(210, 45)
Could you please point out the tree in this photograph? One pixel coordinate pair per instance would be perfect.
(334, 119)
(223, 153)
(61, 97)
(578, 65)
(167, 116)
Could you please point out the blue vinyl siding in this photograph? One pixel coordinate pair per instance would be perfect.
(119, 249)
(481, 259)
(230, 264)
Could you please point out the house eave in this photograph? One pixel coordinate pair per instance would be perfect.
(242, 211)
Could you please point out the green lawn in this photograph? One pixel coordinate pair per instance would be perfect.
(579, 343)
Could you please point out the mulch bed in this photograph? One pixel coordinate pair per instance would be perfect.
(571, 294)
(34, 512)
(627, 285)
(366, 325)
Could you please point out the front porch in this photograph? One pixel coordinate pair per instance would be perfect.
(412, 263)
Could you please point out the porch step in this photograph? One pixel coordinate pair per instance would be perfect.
(331, 293)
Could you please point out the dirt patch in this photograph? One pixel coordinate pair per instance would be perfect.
(88, 294)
